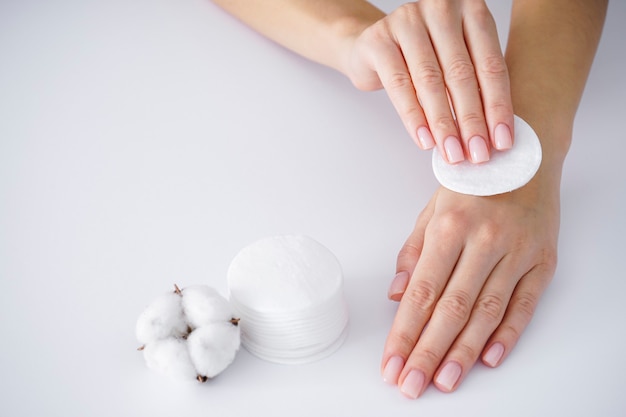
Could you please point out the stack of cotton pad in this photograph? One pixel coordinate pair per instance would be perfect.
(288, 292)
(505, 171)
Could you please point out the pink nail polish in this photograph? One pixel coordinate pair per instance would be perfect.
(392, 370)
(398, 285)
(425, 138)
(503, 137)
(413, 384)
(449, 376)
(478, 150)
(454, 152)
(494, 354)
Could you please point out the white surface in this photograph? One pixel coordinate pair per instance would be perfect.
(144, 142)
(505, 171)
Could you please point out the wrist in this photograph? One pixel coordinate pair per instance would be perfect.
(554, 134)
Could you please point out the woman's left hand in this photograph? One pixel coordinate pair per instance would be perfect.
(469, 277)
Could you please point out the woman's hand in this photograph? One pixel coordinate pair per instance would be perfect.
(469, 277)
(429, 55)
(474, 267)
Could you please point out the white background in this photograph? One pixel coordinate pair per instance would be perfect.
(144, 142)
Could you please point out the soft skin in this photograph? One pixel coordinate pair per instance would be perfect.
(472, 271)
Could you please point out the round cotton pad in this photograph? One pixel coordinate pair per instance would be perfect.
(288, 291)
(505, 171)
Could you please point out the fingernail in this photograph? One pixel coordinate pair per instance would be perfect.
(392, 370)
(478, 150)
(503, 137)
(413, 383)
(425, 138)
(449, 375)
(494, 354)
(454, 152)
(398, 285)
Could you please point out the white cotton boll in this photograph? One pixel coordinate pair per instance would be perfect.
(213, 347)
(189, 333)
(203, 305)
(162, 319)
(170, 357)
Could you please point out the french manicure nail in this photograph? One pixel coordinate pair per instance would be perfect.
(454, 152)
(413, 383)
(478, 150)
(392, 370)
(449, 375)
(503, 137)
(494, 354)
(398, 285)
(425, 138)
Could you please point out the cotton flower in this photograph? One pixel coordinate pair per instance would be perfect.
(189, 334)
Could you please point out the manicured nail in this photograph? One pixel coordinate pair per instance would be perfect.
(449, 375)
(503, 137)
(494, 354)
(413, 383)
(454, 152)
(425, 138)
(398, 285)
(392, 370)
(478, 150)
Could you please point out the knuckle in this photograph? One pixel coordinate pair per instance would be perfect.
(488, 235)
(443, 10)
(408, 11)
(450, 224)
(408, 251)
(377, 36)
(481, 14)
(514, 333)
(410, 112)
(541, 274)
(459, 70)
(550, 260)
(471, 119)
(404, 342)
(422, 296)
(442, 123)
(525, 303)
(429, 75)
(467, 352)
(491, 306)
(455, 306)
(498, 106)
(430, 356)
(399, 80)
(493, 66)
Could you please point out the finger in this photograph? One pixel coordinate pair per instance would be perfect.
(437, 260)
(491, 70)
(449, 317)
(396, 80)
(487, 313)
(409, 255)
(518, 314)
(460, 79)
(429, 83)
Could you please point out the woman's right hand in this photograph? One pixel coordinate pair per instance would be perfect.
(432, 55)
